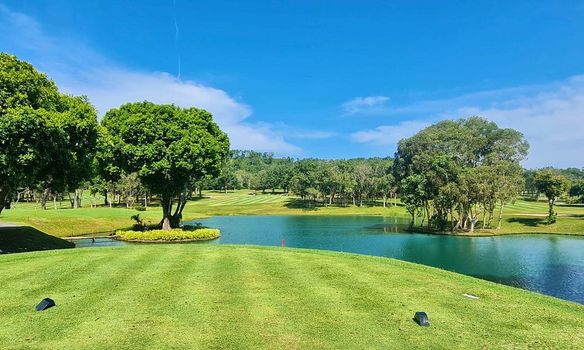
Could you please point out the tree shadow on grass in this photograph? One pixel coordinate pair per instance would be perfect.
(531, 222)
(299, 204)
(19, 239)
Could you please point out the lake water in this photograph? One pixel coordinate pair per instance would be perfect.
(548, 264)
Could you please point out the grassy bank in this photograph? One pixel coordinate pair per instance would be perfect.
(194, 296)
(520, 217)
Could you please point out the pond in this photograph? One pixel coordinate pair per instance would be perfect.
(548, 264)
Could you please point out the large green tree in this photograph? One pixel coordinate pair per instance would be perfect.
(463, 162)
(168, 147)
(47, 139)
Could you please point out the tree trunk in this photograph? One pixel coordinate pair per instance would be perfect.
(427, 207)
(78, 198)
(3, 199)
(166, 204)
(384, 200)
(44, 198)
(500, 219)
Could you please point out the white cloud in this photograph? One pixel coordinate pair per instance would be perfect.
(550, 116)
(310, 134)
(365, 105)
(79, 70)
(552, 121)
(389, 134)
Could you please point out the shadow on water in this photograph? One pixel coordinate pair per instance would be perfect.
(514, 281)
(18, 239)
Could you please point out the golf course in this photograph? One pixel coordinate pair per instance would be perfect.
(229, 296)
(217, 297)
(291, 175)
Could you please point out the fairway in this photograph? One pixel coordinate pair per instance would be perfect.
(245, 198)
(196, 296)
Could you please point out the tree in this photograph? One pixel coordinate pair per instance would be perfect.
(306, 180)
(30, 141)
(227, 179)
(413, 194)
(168, 147)
(552, 185)
(577, 190)
(47, 139)
(460, 161)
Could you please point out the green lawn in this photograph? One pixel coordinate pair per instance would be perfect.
(236, 297)
(520, 217)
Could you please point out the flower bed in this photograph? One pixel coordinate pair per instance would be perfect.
(174, 235)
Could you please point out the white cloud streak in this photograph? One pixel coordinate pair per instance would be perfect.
(389, 134)
(365, 105)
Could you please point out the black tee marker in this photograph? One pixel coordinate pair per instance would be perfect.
(46, 303)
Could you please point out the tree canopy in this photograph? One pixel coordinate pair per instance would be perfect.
(167, 146)
(47, 139)
(456, 170)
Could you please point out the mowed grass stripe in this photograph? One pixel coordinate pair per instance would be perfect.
(332, 322)
(193, 301)
(145, 290)
(74, 289)
(98, 310)
(200, 296)
(233, 310)
(246, 201)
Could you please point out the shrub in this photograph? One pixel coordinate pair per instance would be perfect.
(192, 227)
(139, 224)
(169, 235)
(140, 208)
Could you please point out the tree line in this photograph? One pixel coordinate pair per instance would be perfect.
(316, 181)
(449, 176)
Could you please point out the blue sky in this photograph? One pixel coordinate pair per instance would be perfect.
(322, 78)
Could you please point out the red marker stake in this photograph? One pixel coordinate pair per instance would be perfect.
(282, 244)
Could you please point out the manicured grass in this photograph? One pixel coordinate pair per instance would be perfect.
(169, 235)
(521, 217)
(235, 297)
